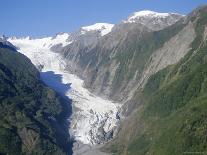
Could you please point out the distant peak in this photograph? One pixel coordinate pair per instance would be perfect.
(148, 14)
(104, 28)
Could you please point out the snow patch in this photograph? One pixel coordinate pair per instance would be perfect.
(104, 28)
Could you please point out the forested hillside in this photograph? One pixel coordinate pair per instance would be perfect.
(33, 117)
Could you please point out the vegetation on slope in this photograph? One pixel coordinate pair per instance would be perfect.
(33, 117)
(173, 119)
(176, 104)
(135, 56)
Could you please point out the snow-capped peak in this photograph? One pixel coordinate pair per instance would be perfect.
(104, 28)
(147, 14)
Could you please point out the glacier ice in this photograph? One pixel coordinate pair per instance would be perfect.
(94, 119)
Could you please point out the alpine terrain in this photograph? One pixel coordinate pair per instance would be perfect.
(133, 88)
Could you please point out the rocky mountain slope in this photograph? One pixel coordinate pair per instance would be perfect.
(113, 64)
(119, 65)
(170, 117)
(33, 117)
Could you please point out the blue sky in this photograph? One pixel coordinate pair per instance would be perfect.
(40, 18)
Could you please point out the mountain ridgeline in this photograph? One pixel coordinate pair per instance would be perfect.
(33, 117)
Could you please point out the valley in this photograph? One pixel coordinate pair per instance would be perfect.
(136, 87)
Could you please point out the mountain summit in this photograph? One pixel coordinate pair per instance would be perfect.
(149, 14)
(153, 20)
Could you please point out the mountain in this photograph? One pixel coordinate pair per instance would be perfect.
(138, 87)
(33, 116)
(136, 58)
(114, 63)
(170, 117)
(77, 53)
(93, 125)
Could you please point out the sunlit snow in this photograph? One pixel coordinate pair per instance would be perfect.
(148, 14)
(104, 28)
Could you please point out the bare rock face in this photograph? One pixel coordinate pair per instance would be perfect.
(170, 53)
(112, 65)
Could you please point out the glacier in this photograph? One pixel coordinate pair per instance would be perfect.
(94, 119)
